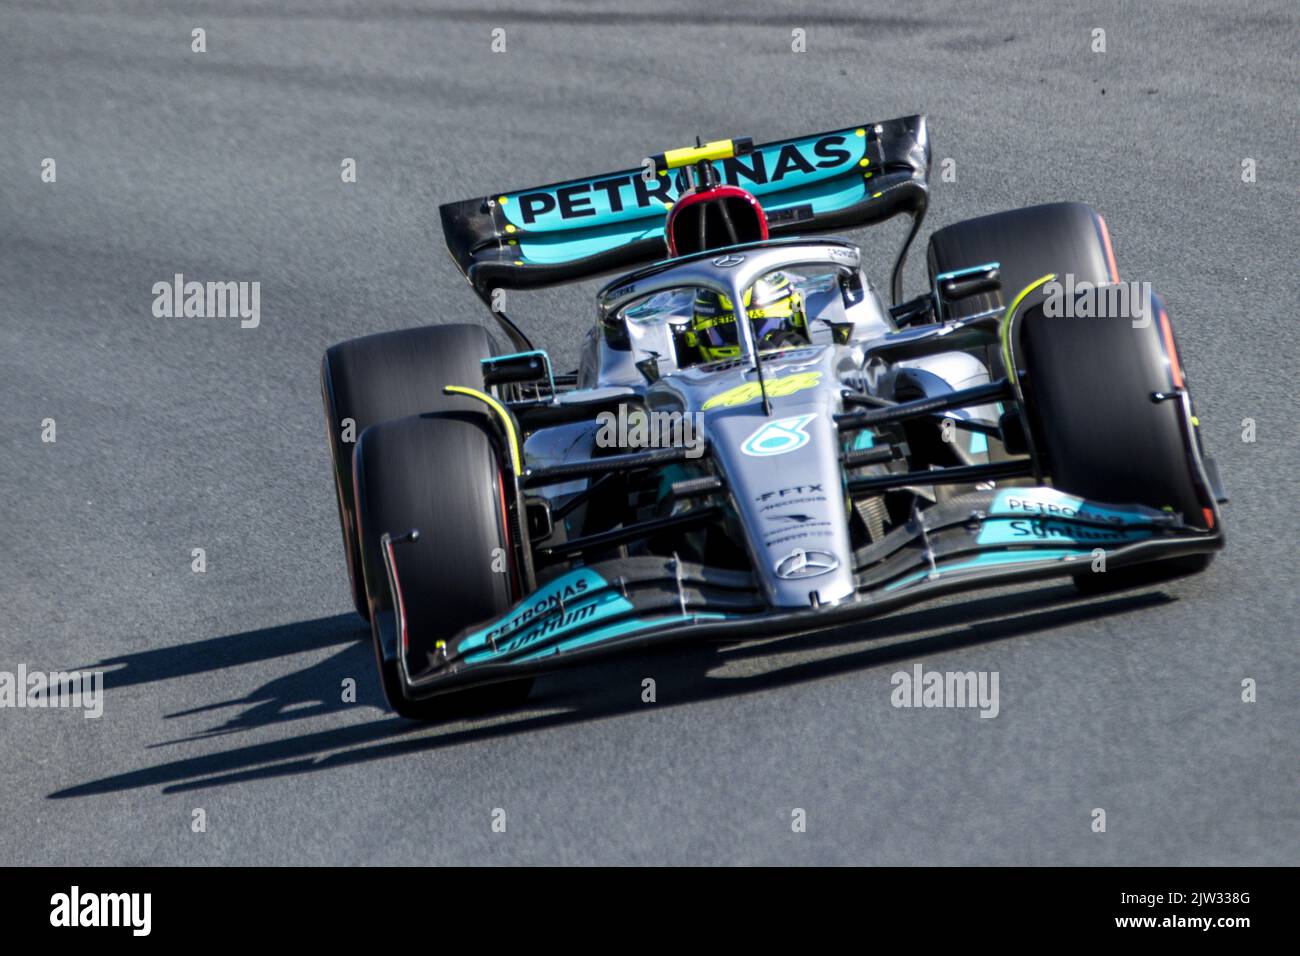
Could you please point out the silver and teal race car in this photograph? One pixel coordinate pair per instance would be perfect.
(755, 441)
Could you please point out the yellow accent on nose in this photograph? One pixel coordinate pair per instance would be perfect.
(509, 228)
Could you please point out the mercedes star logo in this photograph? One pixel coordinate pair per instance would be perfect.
(805, 564)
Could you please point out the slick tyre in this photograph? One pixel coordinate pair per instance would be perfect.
(1064, 237)
(1090, 381)
(390, 375)
(439, 475)
(1090, 385)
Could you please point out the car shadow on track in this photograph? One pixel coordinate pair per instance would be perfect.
(306, 692)
(219, 653)
(593, 692)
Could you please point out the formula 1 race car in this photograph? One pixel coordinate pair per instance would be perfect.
(754, 442)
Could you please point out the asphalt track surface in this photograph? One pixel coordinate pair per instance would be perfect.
(224, 687)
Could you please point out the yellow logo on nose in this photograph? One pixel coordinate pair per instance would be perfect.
(777, 387)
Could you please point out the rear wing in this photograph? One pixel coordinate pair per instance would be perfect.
(586, 227)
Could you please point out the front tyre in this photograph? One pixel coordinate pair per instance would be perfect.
(439, 474)
(1105, 402)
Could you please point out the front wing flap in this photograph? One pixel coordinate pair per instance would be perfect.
(977, 540)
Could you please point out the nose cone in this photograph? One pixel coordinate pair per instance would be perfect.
(784, 471)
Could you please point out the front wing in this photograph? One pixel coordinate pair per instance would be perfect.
(977, 540)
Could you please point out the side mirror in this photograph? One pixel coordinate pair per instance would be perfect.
(532, 366)
(967, 282)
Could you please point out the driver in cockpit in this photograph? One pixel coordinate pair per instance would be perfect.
(776, 315)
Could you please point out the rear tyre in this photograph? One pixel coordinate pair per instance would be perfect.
(438, 474)
(390, 375)
(1063, 237)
